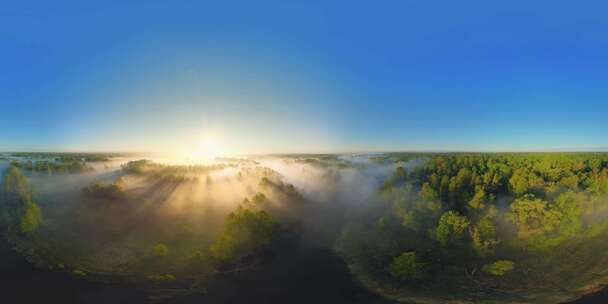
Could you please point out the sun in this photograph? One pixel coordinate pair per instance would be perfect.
(209, 147)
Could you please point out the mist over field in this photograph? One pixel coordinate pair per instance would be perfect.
(106, 234)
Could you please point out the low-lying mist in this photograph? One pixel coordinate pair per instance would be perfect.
(108, 218)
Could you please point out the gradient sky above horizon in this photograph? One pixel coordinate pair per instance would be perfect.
(303, 76)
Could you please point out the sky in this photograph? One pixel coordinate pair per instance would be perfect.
(303, 76)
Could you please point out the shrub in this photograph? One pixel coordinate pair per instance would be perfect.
(161, 250)
(136, 166)
(79, 273)
(113, 191)
(406, 267)
(498, 268)
(197, 255)
(451, 227)
(161, 277)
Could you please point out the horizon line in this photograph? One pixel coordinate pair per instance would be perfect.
(540, 150)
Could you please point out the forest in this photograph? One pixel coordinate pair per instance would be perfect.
(410, 227)
(512, 227)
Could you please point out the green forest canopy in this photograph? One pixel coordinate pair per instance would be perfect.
(457, 212)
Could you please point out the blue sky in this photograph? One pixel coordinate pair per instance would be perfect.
(304, 76)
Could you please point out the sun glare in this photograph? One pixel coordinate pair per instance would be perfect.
(209, 147)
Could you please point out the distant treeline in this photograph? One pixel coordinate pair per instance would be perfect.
(64, 156)
(57, 162)
(61, 166)
(147, 166)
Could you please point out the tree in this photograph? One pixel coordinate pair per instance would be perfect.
(532, 217)
(31, 218)
(415, 212)
(519, 183)
(160, 250)
(114, 191)
(479, 200)
(570, 182)
(483, 233)
(22, 213)
(406, 267)
(259, 198)
(523, 182)
(568, 206)
(427, 193)
(451, 227)
(119, 185)
(137, 166)
(15, 183)
(244, 230)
